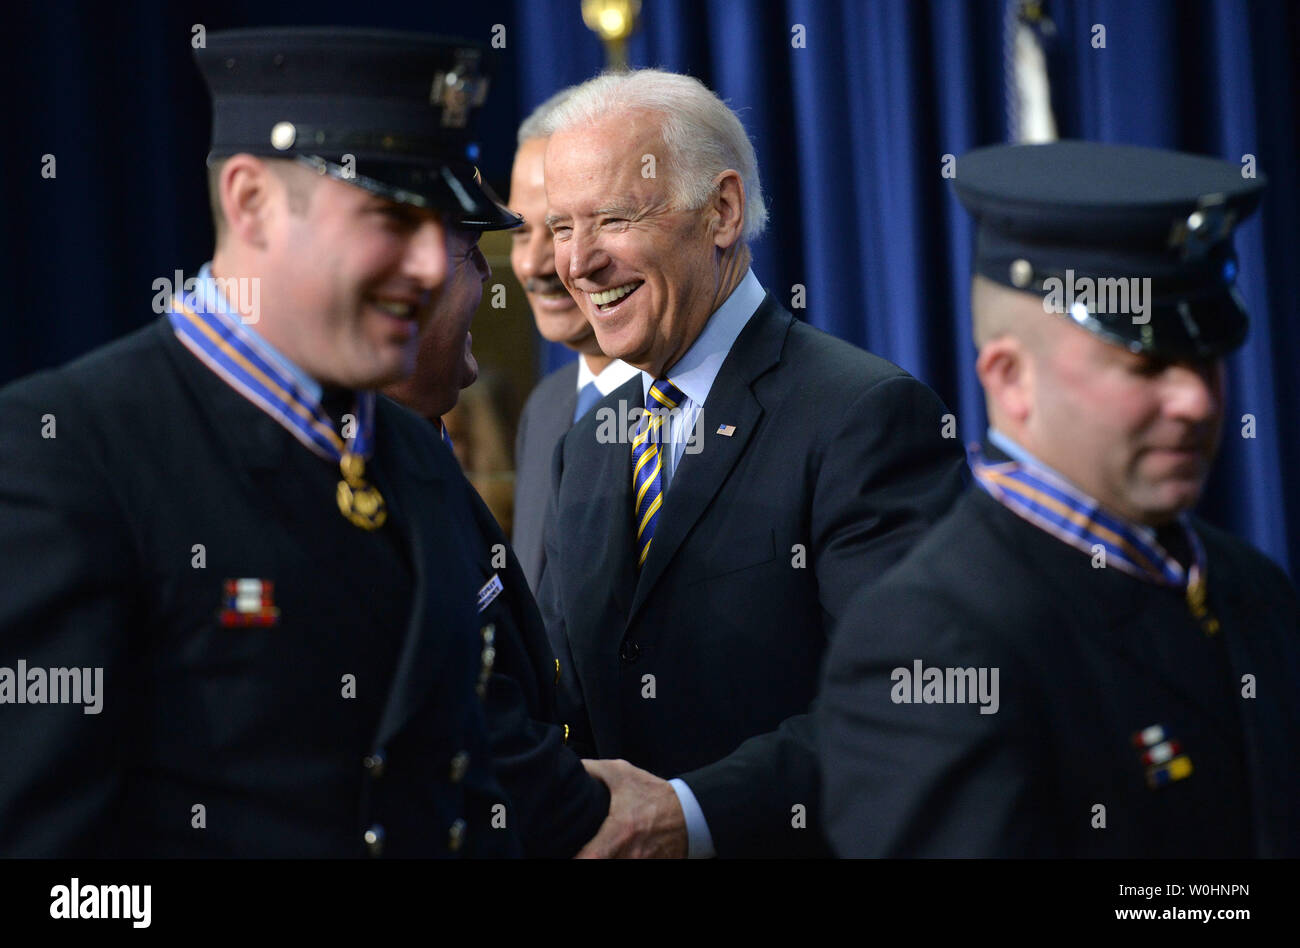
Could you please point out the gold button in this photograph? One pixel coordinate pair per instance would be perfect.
(566, 733)
(456, 835)
(557, 671)
(374, 763)
(459, 764)
(374, 838)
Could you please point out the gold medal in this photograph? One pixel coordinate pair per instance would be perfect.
(360, 502)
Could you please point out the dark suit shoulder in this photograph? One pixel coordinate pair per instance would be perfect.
(1246, 564)
(120, 375)
(833, 382)
(954, 581)
(834, 363)
(556, 385)
(416, 435)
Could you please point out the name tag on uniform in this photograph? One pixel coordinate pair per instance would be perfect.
(491, 589)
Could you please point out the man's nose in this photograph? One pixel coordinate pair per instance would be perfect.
(1194, 391)
(426, 254)
(539, 253)
(584, 256)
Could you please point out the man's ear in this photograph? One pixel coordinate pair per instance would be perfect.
(248, 193)
(728, 205)
(1006, 370)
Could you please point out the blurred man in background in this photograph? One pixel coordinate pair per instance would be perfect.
(556, 806)
(567, 394)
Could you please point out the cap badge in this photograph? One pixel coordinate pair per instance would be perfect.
(457, 93)
(1210, 223)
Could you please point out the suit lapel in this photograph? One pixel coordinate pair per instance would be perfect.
(599, 506)
(700, 476)
(599, 574)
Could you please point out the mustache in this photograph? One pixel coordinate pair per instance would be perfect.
(546, 286)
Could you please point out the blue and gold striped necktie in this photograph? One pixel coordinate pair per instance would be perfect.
(647, 463)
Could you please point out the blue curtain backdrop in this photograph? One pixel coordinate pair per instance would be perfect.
(850, 130)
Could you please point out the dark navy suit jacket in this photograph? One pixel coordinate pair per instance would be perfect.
(835, 467)
(547, 415)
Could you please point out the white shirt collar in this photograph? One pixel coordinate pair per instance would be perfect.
(695, 371)
(610, 377)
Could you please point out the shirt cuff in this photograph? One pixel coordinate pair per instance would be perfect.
(699, 841)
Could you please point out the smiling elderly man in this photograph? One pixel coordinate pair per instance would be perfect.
(1148, 664)
(688, 590)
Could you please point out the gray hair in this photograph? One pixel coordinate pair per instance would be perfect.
(532, 127)
(702, 136)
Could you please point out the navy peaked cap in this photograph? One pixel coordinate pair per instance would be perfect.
(1133, 244)
(388, 111)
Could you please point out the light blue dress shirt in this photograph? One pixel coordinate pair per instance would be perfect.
(695, 371)
(1009, 447)
(694, 375)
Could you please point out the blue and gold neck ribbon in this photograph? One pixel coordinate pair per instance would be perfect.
(219, 340)
(1039, 495)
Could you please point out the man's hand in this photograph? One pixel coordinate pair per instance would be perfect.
(645, 820)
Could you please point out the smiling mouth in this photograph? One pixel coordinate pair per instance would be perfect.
(396, 308)
(606, 300)
(555, 301)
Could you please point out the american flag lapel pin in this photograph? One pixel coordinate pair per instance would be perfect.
(726, 430)
(249, 602)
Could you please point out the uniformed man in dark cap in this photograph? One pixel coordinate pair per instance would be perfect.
(1070, 663)
(241, 567)
(558, 806)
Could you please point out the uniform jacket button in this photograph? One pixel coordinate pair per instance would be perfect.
(374, 838)
(459, 764)
(630, 652)
(374, 763)
(456, 835)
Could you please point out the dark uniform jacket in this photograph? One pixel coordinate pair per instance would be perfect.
(547, 415)
(350, 726)
(836, 465)
(1088, 658)
(558, 807)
